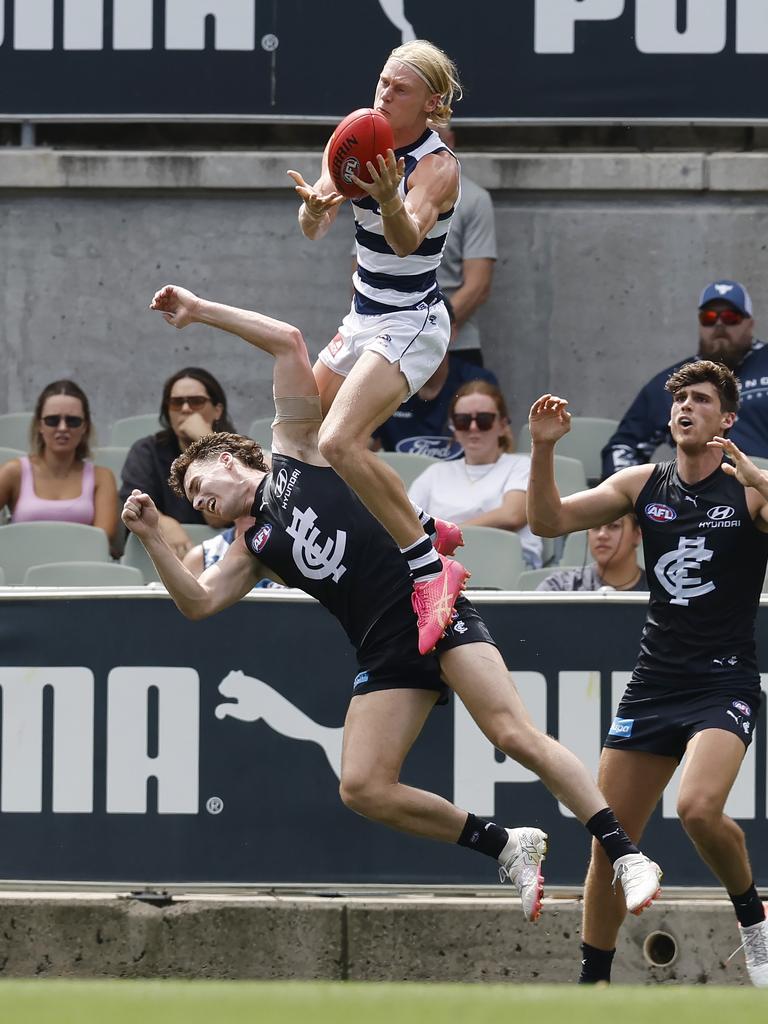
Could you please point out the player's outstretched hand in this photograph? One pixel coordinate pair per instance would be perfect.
(140, 514)
(315, 203)
(385, 178)
(549, 419)
(743, 468)
(178, 305)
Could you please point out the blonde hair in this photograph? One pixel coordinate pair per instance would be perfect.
(437, 70)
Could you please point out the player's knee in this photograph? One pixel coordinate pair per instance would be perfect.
(698, 814)
(360, 795)
(518, 740)
(332, 444)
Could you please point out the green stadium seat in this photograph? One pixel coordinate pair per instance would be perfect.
(83, 574)
(494, 557)
(26, 544)
(125, 431)
(261, 430)
(407, 465)
(584, 441)
(14, 430)
(113, 458)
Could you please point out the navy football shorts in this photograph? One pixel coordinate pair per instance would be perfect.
(389, 657)
(660, 720)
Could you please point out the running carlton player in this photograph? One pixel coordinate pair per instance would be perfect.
(695, 689)
(316, 535)
(396, 333)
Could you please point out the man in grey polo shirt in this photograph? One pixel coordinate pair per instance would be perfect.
(469, 257)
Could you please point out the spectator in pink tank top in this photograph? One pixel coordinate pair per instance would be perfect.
(56, 482)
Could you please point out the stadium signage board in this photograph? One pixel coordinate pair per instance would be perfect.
(539, 60)
(191, 756)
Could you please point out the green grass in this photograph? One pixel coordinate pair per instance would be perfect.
(235, 1002)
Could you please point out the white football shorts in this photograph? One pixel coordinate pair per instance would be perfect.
(417, 339)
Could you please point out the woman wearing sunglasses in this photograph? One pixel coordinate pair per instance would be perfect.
(486, 487)
(56, 482)
(193, 405)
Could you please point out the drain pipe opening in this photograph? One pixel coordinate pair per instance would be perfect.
(660, 949)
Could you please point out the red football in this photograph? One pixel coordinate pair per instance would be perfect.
(361, 136)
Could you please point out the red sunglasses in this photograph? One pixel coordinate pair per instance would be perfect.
(729, 317)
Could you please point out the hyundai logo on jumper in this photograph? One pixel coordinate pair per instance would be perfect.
(621, 727)
(660, 513)
(721, 512)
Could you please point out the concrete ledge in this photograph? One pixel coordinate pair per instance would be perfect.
(594, 172)
(420, 938)
(226, 171)
(738, 172)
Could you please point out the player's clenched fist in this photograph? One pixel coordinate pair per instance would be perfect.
(140, 513)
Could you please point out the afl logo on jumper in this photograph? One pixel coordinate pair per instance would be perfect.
(660, 513)
(260, 538)
(313, 560)
(745, 709)
(677, 571)
(721, 512)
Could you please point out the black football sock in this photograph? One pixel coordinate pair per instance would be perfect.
(483, 835)
(595, 964)
(426, 521)
(611, 836)
(749, 907)
(423, 561)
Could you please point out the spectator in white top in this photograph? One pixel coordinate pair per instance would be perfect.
(469, 257)
(487, 486)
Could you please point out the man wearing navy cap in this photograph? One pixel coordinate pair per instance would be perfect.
(726, 335)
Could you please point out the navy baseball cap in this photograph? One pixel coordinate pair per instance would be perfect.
(727, 291)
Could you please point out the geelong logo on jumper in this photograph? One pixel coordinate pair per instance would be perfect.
(660, 513)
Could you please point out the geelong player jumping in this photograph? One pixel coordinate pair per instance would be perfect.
(312, 532)
(396, 333)
(695, 689)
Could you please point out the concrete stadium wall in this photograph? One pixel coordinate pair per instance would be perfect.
(385, 938)
(602, 256)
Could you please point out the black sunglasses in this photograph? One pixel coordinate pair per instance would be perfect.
(73, 422)
(193, 401)
(484, 420)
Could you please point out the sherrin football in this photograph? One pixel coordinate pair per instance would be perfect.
(361, 137)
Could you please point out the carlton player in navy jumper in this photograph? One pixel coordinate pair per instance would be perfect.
(312, 532)
(397, 331)
(695, 690)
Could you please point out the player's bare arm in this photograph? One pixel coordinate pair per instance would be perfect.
(320, 202)
(293, 380)
(433, 189)
(549, 515)
(195, 598)
(749, 476)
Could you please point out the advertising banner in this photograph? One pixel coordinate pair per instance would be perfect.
(138, 747)
(534, 60)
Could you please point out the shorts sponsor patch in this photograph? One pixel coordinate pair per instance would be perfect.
(360, 678)
(335, 345)
(740, 706)
(621, 727)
